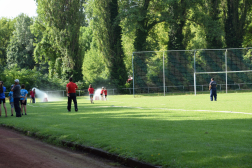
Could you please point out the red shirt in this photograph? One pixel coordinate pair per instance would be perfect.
(105, 92)
(32, 93)
(72, 87)
(91, 90)
(102, 91)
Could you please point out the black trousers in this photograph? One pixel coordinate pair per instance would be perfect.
(72, 96)
(33, 99)
(213, 93)
(17, 107)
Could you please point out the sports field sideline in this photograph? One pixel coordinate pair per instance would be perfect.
(170, 131)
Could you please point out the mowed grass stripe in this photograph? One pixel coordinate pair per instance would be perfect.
(150, 131)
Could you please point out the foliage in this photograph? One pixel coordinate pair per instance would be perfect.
(20, 49)
(235, 19)
(93, 40)
(94, 67)
(109, 34)
(31, 78)
(6, 31)
(60, 23)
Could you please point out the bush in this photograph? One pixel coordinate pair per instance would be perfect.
(31, 78)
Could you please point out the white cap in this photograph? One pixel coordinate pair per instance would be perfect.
(16, 80)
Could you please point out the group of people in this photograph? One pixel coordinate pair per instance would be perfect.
(91, 93)
(17, 96)
(71, 88)
(103, 93)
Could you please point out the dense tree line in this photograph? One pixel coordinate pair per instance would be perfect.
(93, 40)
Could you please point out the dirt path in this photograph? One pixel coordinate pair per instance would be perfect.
(19, 151)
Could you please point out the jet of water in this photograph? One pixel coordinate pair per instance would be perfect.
(44, 97)
(97, 94)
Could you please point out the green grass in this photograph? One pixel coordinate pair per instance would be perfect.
(171, 131)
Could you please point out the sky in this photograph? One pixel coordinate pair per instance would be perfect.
(12, 8)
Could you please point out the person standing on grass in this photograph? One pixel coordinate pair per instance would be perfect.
(16, 95)
(105, 93)
(33, 96)
(30, 95)
(102, 93)
(71, 94)
(11, 100)
(91, 93)
(2, 98)
(212, 88)
(23, 98)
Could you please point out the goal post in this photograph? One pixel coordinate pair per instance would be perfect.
(160, 72)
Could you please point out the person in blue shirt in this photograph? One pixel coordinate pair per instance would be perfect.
(2, 98)
(212, 88)
(23, 98)
(11, 100)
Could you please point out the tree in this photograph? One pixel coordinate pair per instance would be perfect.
(60, 21)
(6, 31)
(235, 20)
(140, 17)
(20, 49)
(207, 16)
(109, 35)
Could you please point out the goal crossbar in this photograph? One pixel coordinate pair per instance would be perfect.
(222, 72)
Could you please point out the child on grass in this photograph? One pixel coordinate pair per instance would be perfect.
(11, 100)
(91, 93)
(31, 92)
(2, 98)
(102, 93)
(23, 98)
(105, 93)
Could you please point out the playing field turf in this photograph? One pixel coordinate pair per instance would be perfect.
(171, 131)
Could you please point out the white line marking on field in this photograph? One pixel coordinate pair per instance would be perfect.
(206, 111)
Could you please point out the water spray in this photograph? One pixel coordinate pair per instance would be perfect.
(45, 97)
(97, 94)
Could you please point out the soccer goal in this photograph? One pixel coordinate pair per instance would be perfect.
(160, 72)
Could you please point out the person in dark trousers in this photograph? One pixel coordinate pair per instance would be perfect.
(16, 96)
(212, 88)
(33, 96)
(71, 94)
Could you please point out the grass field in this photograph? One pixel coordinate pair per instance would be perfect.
(171, 131)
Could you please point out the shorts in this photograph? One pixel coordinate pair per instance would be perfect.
(105, 95)
(91, 95)
(12, 104)
(101, 94)
(2, 100)
(21, 102)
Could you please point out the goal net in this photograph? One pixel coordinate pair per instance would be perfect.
(191, 70)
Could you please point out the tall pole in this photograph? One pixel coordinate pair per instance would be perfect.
(164, 73)
(226, 68)
(194, 76)
(133, 76)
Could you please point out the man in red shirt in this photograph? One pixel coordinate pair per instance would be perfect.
(71, 94)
